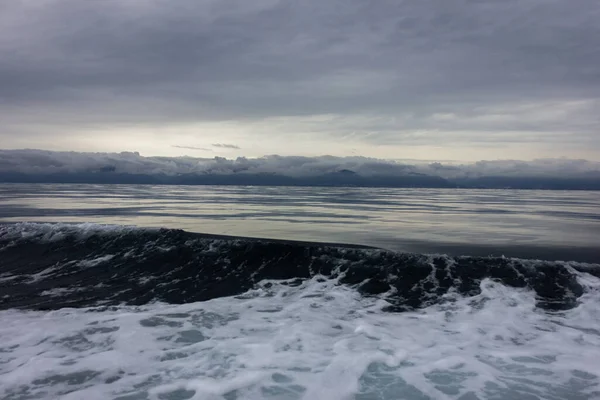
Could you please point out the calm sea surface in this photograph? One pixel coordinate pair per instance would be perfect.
(532, 224)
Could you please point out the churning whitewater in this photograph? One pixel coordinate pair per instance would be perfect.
(114, 312)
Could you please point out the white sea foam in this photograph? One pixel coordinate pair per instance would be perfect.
(52, 232)
(95, 261)
(314, 341)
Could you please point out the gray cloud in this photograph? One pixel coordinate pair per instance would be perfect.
(49, 162)
(225, 146)
(191, 148)
(435, 71)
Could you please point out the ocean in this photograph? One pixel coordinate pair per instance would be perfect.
(227, 292)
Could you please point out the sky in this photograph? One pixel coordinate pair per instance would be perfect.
(463, 80)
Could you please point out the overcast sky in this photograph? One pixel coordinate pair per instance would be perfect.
(423, 79)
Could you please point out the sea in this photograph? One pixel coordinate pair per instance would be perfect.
(139, 292)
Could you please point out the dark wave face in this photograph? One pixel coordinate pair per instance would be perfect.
(51, 266)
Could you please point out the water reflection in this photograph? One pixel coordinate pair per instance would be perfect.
(541, 224)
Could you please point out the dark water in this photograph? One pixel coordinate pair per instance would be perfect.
(39, 260)
(92, 307)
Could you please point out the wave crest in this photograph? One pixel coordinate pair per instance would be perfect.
(51, 266)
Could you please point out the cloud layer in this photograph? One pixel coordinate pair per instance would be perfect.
(226, 146)
(40, 165)
(496, 75)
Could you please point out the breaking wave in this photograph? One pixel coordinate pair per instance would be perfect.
(113, 312)
(51, 266)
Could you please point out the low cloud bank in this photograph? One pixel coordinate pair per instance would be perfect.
(131, 167)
